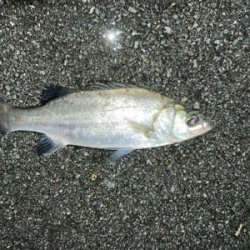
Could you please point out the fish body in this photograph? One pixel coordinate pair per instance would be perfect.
(113, 117)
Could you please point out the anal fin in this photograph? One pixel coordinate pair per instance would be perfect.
(47, 146)
(118, 154)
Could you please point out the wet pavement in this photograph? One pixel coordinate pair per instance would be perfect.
(194, 195)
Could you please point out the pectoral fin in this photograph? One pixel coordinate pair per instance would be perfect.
(118, 154)
(141, 128)
(48, 146)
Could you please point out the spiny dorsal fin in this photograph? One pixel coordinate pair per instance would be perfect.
(52, 92)
(109, 85)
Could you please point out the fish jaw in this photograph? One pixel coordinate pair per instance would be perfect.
(201, 129)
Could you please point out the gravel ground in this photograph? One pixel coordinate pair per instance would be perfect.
(189, 196)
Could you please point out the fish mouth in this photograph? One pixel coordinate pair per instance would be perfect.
(208, 125)
(202, 128)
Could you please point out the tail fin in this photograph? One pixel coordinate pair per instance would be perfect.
(4, 121)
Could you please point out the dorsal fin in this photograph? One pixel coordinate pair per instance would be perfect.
(109, 85)
(52, 92)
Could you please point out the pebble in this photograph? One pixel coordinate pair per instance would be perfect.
(109, 184)
(132, 10)
(217, 42)
(92, 9)
(195, 25)
(195, 64)
(1, 152)
(196, 105)
(136, 45)
(169, 73)
(184, 99)
(17, 156)
(12, 47)
(168, 30)
(93, 177)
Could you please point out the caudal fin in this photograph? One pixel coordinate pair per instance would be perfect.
(4, 121)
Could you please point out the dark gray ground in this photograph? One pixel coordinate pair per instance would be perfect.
(191, 196)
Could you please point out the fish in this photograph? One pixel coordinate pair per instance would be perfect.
(112, 116)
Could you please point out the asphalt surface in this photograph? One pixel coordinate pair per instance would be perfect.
(195, 195)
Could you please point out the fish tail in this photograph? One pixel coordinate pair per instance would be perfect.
(4, 117)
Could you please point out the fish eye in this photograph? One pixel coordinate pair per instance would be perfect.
(192, 120)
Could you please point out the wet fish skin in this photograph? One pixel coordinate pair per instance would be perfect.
(113, 117)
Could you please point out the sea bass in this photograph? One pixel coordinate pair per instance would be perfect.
(111, 116)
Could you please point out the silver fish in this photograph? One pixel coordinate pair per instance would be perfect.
(112, 116)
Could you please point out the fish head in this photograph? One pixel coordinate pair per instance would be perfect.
(189, 124)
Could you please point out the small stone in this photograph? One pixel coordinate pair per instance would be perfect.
(168, 30)
(37, 27)
(68, 212)
(78, 176)
(149, 162)
(169, 71)
(93, 177)
(1, 152)
(217, 42)
(196, 105)
(92, 9)
(109, 184)
(132, 10)
(35, 43)
(195, 25)
(12, 47)
(134, 33)
(235, 42)
(195, 64)
(136, 45)
(17, 156)
(184, 99)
